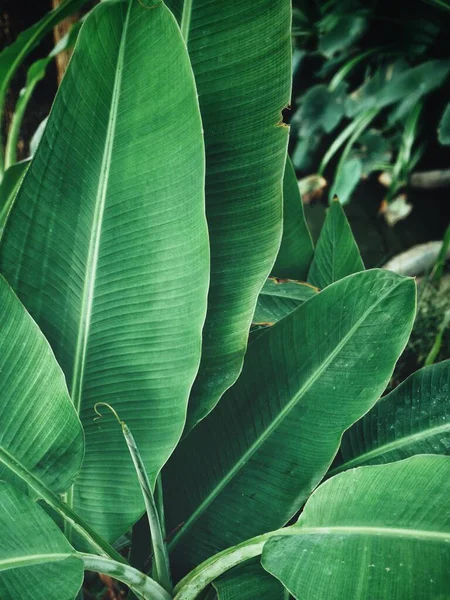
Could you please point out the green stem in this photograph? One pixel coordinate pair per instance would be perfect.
(186, 20)
(345, 70)
(432, 355)
(69, 516)
(139, 583)
(197, 580)
(160, 556)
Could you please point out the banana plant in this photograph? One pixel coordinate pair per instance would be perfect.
(135, 257)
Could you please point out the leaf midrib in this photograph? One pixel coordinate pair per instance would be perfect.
(388, 447)
(283, 413)
(94, 242)
(376, 531)
(32, 559)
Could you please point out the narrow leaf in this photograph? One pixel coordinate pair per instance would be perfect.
(413, 419)
(379, 532)
(253, 462)
(336, 254)
(8, 189)
(296, 250)
(107, 246)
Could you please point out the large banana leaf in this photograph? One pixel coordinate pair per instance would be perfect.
(373, 532)
(241, 56)
(12, 56)
(296, 250)
(413, 419)
(251, 464)
(40, 434)
(249, 582)
(336, 254)
(35, 557)
(107, 246)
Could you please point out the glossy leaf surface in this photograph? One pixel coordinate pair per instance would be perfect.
(374, 532)
(241, 56)
(107, 246)
(253, 462)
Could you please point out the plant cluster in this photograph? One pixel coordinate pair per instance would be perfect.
(172, 344)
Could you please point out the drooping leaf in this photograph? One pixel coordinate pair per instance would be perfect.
(35, 557)
(107, 246)
(8, 189)
(347, 178)
(12, 56)
(296, 250)
(345, 30)
(280, 297)
(444, 127)
(373, 532)
(250, 465)
(34, 75)
(412, 419)
(235, 50)
(249, 582)
(336, 254)
(40, 433)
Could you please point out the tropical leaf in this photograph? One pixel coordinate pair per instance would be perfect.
(107, 246)
(235, 51)
(347, 178)
(40, 436)
(337, 253)
(8, 189)
(12, 56)
(413, 419)
(380, 531)
(296, 250)
(444, 127)
(248, 582)
(34, 75)
(34, 554)
(252, 463)
(279, 297)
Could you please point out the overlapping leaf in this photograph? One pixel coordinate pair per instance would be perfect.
(296, 250)
(413, 419)
(107, 245)
(280, 297)
(374, 532)
(336, 254)
(35, 557)
(252, 463)
(241, 56)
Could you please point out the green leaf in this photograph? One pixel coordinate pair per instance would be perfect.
(34, 75)
(252, 463)
(249, 582)
(321, 109)
(12, 56)
(107, 246)
(35, 557)
(347, 178)
(336, 254)
(444, 127)
(345, 31)
(235, 51)
(413, 419)
(278, 298)
(296, 250)
(374, 532)
(40, 431)
(8, 189)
